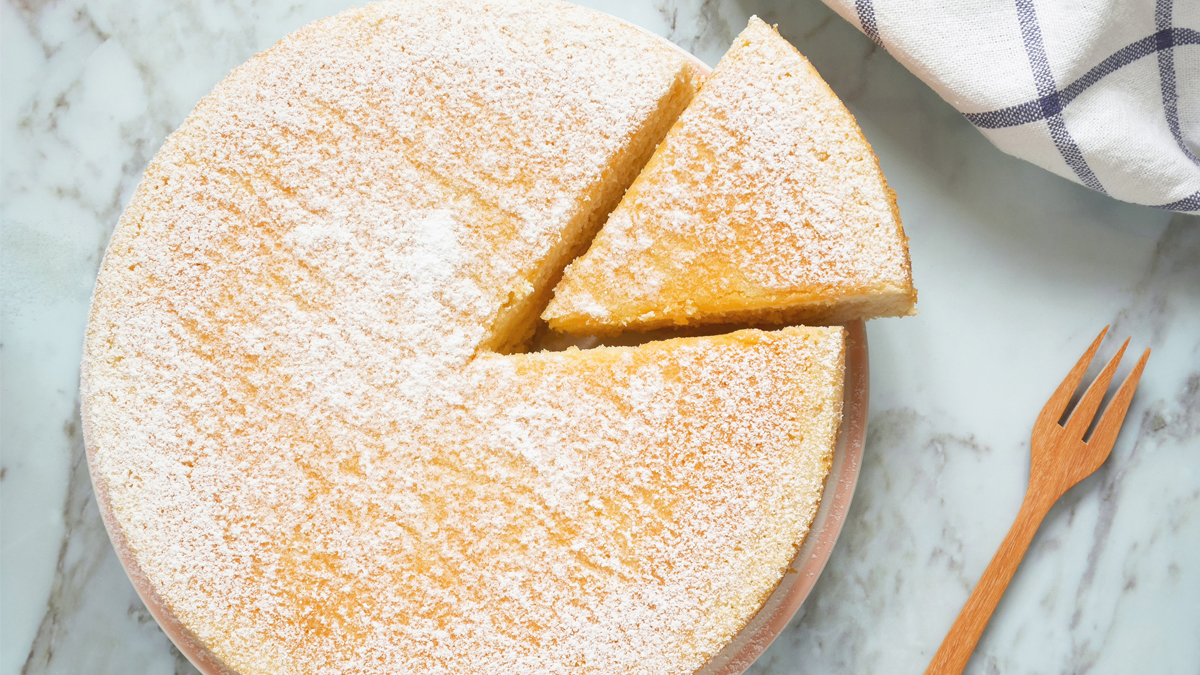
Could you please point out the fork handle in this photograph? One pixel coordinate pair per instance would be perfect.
(956, 649)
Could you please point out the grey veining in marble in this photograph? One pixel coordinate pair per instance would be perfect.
(1018, 270)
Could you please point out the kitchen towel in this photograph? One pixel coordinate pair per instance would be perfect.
(1103, 92)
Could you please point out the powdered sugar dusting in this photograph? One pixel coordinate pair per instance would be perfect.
(303, 438)
(666, 486)
(765, 195)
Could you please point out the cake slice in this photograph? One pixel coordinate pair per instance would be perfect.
(764, 204)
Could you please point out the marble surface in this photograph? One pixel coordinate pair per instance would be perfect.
(1018, 270)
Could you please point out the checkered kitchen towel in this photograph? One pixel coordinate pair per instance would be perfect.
(1103, 92)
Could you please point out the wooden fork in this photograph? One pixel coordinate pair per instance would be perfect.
(1059, 458)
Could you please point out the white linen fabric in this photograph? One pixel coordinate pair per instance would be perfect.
(1103, 92)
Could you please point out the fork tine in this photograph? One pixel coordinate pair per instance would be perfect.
(1085, 410)
(1053, 410)
(1114, 415)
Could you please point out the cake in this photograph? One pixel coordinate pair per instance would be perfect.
(310, 436)
(764, 205)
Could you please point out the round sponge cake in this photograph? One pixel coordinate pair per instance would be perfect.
(305, 424)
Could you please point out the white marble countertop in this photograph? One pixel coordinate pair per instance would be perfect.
(1017, 270)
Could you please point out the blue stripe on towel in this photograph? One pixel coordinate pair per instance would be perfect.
(1049, 100)
(1031, 111)
(1189, 203)
(866, 18)
(1166, 73)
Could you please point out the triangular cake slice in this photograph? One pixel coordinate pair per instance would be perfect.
(764, 204)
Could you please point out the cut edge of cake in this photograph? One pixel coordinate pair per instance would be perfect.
(517, 322)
